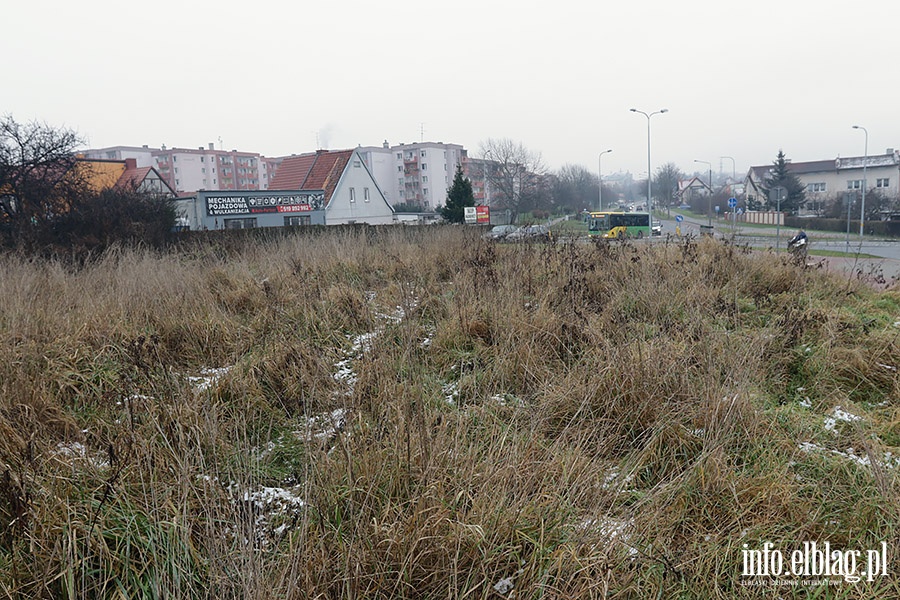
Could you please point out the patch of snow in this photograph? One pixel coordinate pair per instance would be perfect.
(507, 400)
(451, 392)
(888, 367)
(323, 426)
(614, 530)
(268, 503)
(838, 414)
(77, 451)
(208, 378)
(806, 403)
(613, 479)
(890, 461)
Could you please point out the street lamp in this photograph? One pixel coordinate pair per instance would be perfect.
(709, 202)
(733, 170)
(649, 172)
(600, 174)
(862, 210)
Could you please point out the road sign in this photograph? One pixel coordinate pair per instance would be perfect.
(740, 211)
(471, 215)
(732, 202)
(717, 208)
(679, 218)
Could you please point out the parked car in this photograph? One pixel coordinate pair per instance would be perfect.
(530, 233)
(499, 232)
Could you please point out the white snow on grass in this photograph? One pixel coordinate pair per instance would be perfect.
(838, 414)
(451, 392)
(614, 479)
(270, 505)
(208, 378)
(322, 426)
(76, 451)
(890, 461)
(615, 531)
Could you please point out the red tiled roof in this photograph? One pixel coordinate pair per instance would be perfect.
(292, 172)
(132, 177)
(314, 171)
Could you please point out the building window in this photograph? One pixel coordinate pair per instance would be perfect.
(202, 159)
(883, 183)
(854, 184)
(424, 167)
(355, 164)
(249, 223)
(425, 192)
(297, 221)
(366, 194)
(352, 195)
(423, 154)
(400, 181)
(815, 187)
(425, 179)
(400, 169)
(399, 156)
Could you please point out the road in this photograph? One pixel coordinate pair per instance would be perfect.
(886, 251)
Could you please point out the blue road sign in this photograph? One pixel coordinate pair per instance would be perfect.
(679, 218)
(732, 202)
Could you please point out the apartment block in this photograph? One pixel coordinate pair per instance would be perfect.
(188, 170)
(416, 174)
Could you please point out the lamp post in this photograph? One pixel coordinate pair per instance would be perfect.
(733, 170)
(649, 172)
(709, 203)
(600, 174)
(862, 210)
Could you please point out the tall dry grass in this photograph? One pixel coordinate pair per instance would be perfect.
(415, 413)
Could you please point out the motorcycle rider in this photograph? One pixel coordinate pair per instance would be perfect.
(798, 240)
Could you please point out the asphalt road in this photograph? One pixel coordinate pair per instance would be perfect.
(887, 251)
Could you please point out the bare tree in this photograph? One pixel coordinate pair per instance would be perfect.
(575, 188)
(665, 184)
(516, 175)
(38, 178)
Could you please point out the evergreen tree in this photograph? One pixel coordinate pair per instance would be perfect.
(780, 176)
(459, 196)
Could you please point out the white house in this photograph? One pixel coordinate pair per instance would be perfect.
(351, 194)
(828, 180)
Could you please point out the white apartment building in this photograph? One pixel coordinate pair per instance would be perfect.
(419, 173)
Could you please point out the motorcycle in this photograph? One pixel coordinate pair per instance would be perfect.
(798, 248)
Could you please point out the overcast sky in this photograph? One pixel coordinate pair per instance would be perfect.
(739, 79)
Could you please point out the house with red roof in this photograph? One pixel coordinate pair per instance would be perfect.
(349, 191)
(102, 174)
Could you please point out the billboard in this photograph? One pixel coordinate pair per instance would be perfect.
(223, 205)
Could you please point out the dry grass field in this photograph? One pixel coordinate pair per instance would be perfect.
(417, 413)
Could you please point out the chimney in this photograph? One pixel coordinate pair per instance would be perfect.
(385, 144)
(130, 163)
(212, 146)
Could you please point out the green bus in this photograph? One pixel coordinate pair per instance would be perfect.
(619, 225)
